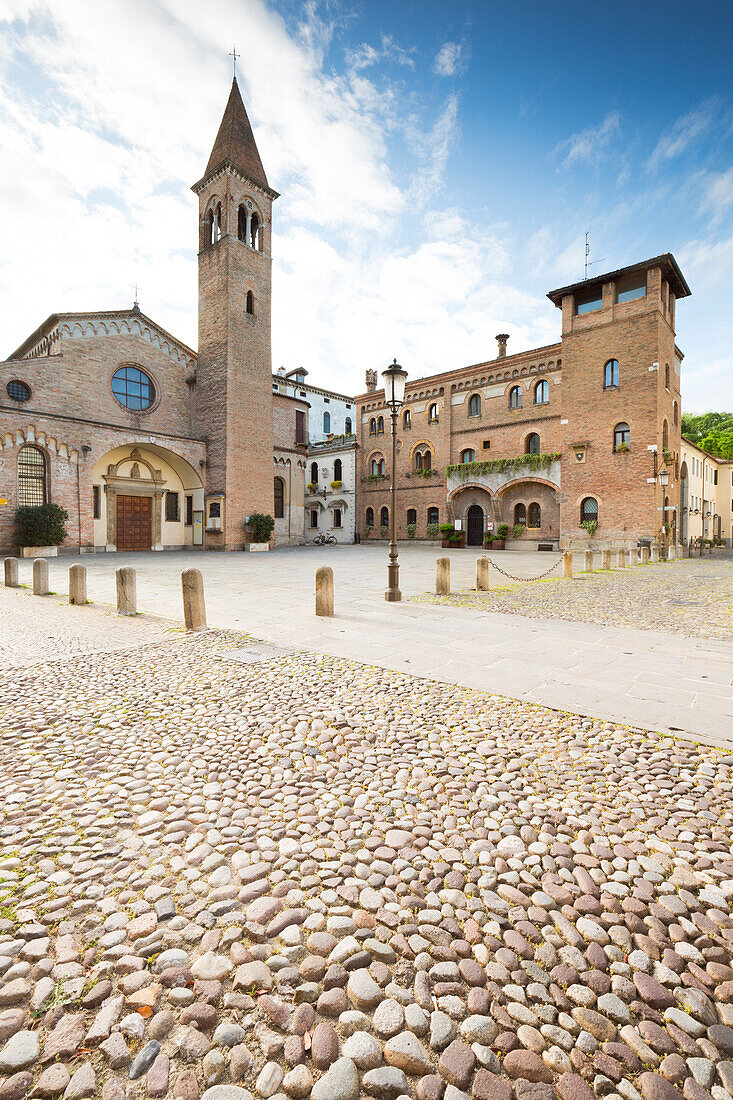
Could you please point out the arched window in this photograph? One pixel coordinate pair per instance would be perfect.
(411, 515)
(370, 517)
(31, 477)
(611, 375)
(542, 392)
(520, 513)
(214, 224)
(621, 437)
(378, 468)
(279, 498)
(337, 470)
(380, 426)
(589, 510)
(534, 515)
(418, 460)
(254, 230)
(515, 398)
(407, 419)
(384, 516)
(250, 302)
(675, 412)
(133, 389)
(474, 405)
(468, 455)
(372, 426)
(427, 460)
(532, 444)
(314, 473)
(666, 375)
(433, 414)
(242, 223)
(433, 515)
(326, 423)
(347, 426)
(665, 436)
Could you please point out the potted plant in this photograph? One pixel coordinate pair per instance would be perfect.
(517, 530)
(501, 535)
(432, 531)
(451, 538)
(591, 526)
(411, 529)
(336, 484)
(622, 449)
(489, 539)
(40, 530)
(367, 531)
(260, 528)
(312, 486)
(384, 530)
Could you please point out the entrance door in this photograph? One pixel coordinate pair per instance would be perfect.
(134, 523)
(475, 526)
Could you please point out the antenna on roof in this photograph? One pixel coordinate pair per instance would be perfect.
(588, 261)
(234, 55)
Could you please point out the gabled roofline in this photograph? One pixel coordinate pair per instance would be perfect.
(113, 314)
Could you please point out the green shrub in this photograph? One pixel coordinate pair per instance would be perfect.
(446, 530)
(591, 526)
(489, 538)
(517, 530)
(502, 530)
(367, 531)
(411, 529)
(432, 530)
(384, 530)
(42, 525)
(260, 527)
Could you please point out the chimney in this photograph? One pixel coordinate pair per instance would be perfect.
(501, 340)
(371, 380)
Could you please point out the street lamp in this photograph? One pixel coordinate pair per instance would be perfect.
(394, 395)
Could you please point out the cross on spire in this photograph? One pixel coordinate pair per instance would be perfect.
(234, 55)
(136, 288)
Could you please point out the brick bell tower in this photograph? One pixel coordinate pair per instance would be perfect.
(234, 373)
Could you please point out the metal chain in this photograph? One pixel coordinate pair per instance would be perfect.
(538, 578)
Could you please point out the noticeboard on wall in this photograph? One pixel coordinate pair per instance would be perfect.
(198, 528)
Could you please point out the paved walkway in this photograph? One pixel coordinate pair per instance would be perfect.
(651, 679)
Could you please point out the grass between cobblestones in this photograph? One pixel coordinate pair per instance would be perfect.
(693, 597)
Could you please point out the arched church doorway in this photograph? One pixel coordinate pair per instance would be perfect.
(475, 526)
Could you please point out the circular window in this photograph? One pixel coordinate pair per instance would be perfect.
(18, 390)
(133, 388)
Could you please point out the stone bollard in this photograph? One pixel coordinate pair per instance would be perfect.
(442, 576)
(588, 561)
(324, 590)
(605, 559)
(11, 572)
(126, 592)
(655, 555)
(568, 564)
(644, 555)
(194, 608)
(78, 585)
(482, 574)
(621, 559)
(40, 577)
(671, 552)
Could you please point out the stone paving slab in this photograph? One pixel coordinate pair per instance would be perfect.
(271, 595)
(308, 877)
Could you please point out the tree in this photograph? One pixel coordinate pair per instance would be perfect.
(713, 431)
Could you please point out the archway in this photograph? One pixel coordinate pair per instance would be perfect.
(475, 525)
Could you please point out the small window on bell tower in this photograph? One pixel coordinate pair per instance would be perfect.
(250, 303)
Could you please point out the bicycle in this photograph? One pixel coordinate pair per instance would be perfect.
(319, 540)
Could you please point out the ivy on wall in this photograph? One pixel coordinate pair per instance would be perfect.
(465, 470)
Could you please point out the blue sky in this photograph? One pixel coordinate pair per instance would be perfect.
(439, 166)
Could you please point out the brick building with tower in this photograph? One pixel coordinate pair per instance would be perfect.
(565, 444)
(146, 443)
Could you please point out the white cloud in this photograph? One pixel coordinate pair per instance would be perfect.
(591, 144)
(719, 193)
(447, 59)
(683, 132)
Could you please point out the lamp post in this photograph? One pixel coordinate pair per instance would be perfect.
(394, 395)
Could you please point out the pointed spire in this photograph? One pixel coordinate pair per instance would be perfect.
(235, 142)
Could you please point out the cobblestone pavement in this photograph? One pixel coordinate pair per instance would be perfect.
(691, 597)
(33, 630)
(309, 877)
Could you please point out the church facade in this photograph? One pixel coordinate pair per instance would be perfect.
(147, 444)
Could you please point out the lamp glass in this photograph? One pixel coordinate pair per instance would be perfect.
(664, 478)
(394, 383)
